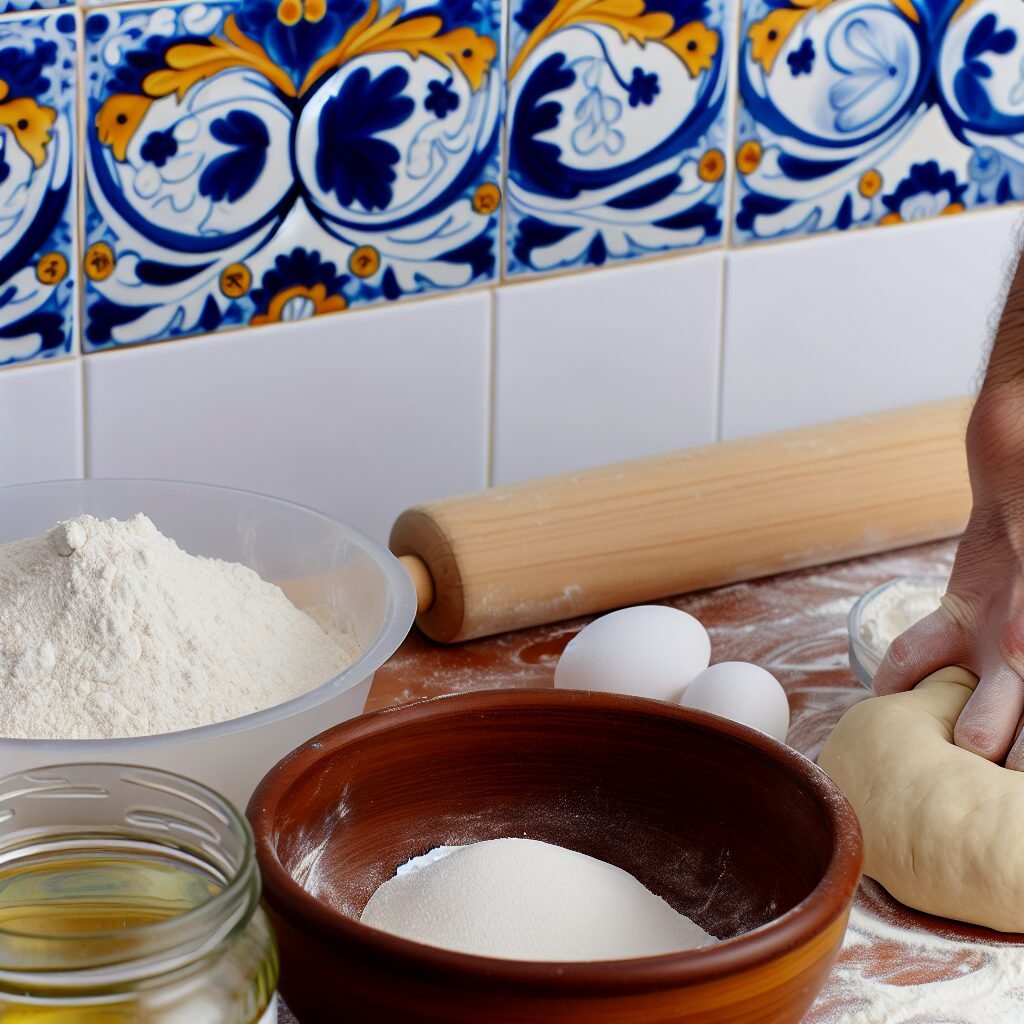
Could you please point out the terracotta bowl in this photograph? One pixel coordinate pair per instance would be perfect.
(737, 831)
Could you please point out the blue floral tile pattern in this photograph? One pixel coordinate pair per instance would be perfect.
(616, 129)
(858, 112)
(37, 186)
(19, 6)
(265, 160)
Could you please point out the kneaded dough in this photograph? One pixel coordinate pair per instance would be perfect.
(943, 828)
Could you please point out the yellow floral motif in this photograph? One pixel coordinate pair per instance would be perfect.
(711, 166)
(631, 19)
(117, 120)
(870, 184)
(364, 261)
(235, 280)
(52, 268)
(291, 12)
(695, 45)
(322, 303)
(909, 11)
(99, 261)
(28, 122)
(962, 9)
(487, 198)
(951, 209)
(748, 158)
(768, 36)
(189, 63)
(460, 50)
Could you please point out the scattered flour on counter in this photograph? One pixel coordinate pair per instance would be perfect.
(519, 899)
(109, 629)
(897, 608)
(873, 983)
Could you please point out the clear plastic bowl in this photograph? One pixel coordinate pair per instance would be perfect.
(316, 560)
(865, 657)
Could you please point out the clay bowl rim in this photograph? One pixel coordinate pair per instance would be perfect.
(747, 951)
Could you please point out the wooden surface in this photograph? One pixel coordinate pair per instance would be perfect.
(544, 550)
(897, 966)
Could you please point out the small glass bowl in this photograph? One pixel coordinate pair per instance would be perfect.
(865, 657)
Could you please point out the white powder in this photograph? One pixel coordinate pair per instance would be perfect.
(889, 974)
(110, 629)
(897, 608)
(519, 899)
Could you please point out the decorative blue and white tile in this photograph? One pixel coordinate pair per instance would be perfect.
(37, 186)
(617, 133)
(254, 161)
(858, 112)
(20, 6)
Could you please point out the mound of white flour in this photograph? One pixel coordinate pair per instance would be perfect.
(519, 899)
(109, 629)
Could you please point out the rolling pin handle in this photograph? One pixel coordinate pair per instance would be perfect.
(421, 580)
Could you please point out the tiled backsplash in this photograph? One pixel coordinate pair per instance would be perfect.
(862, 113)
(568, 197)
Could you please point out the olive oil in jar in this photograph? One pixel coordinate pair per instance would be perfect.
(96, 891)
(141, 908)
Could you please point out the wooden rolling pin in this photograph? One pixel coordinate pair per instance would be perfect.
(536, 552)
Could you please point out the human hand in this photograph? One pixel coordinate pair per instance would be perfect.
(980, 625)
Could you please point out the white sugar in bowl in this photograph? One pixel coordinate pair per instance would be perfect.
(647, 651)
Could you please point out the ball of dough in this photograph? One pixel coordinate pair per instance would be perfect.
(942, 826)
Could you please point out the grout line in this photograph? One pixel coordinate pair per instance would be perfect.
(505, 30)
(86, 460)
(78, 231)
(722, 323)
(492, 389)
(733, 122)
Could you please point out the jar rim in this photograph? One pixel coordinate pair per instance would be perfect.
(90, 958)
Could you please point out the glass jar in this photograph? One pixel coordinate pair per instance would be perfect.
(129, 895)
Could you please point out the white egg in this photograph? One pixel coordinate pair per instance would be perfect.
(745, 693)
(648, 651)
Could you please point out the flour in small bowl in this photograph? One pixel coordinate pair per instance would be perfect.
(519, 899)
(897, 607)
(108, 629)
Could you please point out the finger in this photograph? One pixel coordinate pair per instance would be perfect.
(1011, 641)
(1015, 758)
(933, 643)
(988, 723)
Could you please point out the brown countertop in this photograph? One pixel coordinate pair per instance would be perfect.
(896, 965)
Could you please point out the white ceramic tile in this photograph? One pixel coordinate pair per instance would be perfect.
(606, 365)
(359, 415)
(844, 325)
(41, 422)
